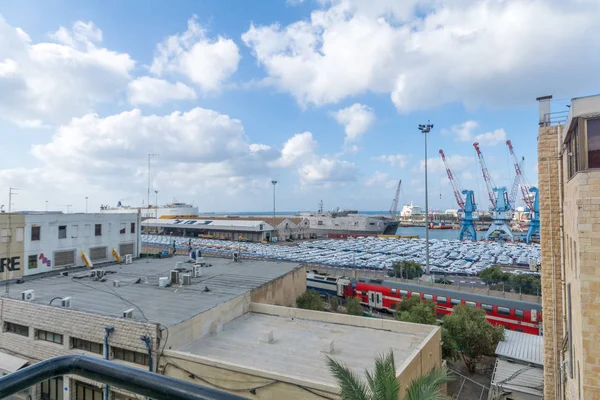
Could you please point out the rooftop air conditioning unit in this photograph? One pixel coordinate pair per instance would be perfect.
(179, 265)
(27, 295)
(163, 281)
(65, 302)
(128, 313)
(98, 274)
(186, 279)
(128, 258)
(174, 277)
(116, 283)
(197, 271)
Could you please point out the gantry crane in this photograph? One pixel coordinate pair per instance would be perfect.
(466, 207)
(530, 197)
(501, 209)
(394, 207)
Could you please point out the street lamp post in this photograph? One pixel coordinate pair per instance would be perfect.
(86, 204)
(274, 183)
(425, 129)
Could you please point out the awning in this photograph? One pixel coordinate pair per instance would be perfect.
(9, 364)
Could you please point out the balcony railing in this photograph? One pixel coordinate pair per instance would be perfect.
(124, 377)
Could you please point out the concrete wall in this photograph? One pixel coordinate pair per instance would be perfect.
(13, 264)
(80, 236)
(282, 291)
(552, 288)
(264, 385)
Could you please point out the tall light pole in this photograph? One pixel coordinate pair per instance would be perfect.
(150, 157)
(46, 205)
(156, 204)
(274, 183)
(86, 204)
(425, 129)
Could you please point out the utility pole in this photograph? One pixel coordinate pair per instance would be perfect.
(274, 182)
(86, 204)
(150, 157)
(11, 191)
(425, 129)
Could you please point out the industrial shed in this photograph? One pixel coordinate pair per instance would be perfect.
(250, 230)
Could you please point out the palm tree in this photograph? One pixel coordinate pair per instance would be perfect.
(382, 384)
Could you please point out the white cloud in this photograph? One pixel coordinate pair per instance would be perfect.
(298, 148)
(206, 62)
(198, 149)
(465, 133)
(153, 91)
(425, 53)
(377, 178)
(356, 119)
(294, 2)
(324, 171)
(491, 138)
(397, 160)
(457, 163)
(52, 82)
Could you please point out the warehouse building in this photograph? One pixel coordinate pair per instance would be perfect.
(226, 325)
(39, 242)
(252, 231)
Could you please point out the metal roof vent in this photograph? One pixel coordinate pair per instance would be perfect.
(326, 346)
(266, 337)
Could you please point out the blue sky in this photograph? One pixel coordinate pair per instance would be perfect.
(324, 96)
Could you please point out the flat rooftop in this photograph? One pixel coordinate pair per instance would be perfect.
(166, 305)
(295, 352)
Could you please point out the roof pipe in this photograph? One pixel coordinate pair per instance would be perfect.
(147, 340)
(108, 331)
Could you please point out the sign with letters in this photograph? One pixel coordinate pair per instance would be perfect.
(10, 264)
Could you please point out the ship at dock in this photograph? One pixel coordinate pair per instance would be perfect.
(349, 223)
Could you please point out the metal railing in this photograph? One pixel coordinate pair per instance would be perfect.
(124, 377)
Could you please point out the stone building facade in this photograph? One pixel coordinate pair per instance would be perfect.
(569, 183)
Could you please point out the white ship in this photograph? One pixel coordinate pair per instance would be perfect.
(410, 210)
(350, 222)
(171, 210)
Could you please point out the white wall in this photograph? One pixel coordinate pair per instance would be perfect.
(80, 236)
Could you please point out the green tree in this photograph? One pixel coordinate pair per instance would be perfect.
(526, 284)
(473, 336)
(310, 300)
(382, 384)
(407, 270)
(493, 275)
(423, 312)
(353, 306)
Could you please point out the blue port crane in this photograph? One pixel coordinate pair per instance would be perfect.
(466, 206)
(501, 207)
(530, 196)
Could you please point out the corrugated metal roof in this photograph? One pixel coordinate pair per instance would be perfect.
(512, 377)
(209, 224)
(522, 347)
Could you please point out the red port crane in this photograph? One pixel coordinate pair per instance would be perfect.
(455, 185)
(486, 176)
(525, 186)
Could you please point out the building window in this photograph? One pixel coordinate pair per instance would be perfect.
(132, 227)
(98, 230)
(16, 328)
(86, 345)
(48, 336)
(129, 356)
(62, 232)
(503, 310)
(32, 261)
(86, 392)
(122, 228)
(52, 389)
(35, 233)
(519, 314)
(573, 152)
(593, 142)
